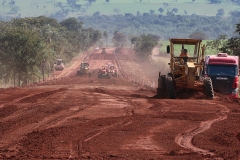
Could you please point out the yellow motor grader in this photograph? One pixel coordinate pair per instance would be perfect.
(186, 72)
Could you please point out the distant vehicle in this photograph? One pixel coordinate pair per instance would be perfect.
(84, 69)
(113, 70)
(223, 70)
(59, 65)
(103, 51)
(104, 72)
(97, 48)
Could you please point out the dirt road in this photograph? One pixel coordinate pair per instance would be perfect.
(82, 117)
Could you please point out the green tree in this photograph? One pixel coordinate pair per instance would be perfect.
(35, 22)
(71, 2)
(96, 13)
(215, 1)
(105, 35)
(237, 28)
(185, 12)
(138, 13)
(165, 4)
(12, 3)
(220, 12)
(90, 1)
(152, 11)
(72, 24)
(116, 10)
(232, 46)
(144, 45)
(133, 40)
(21, 52)
(161, 10)
(14, 9)
(56, 40)
(215, 46)
(119, 39)
(198, 35)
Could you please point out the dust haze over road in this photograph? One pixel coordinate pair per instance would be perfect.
(82, 117)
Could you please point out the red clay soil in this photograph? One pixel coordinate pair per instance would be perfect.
(82, 117)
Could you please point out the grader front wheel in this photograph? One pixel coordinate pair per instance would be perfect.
(162, 88)
(170, 87)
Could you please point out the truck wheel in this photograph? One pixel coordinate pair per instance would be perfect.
(170, 87)
(208, 87)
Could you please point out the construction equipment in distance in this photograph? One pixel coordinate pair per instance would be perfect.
(113, 70)
(223, 70)
(185, 72)
(84, 69)
(104, 72)
(58, 65)
(103, 51)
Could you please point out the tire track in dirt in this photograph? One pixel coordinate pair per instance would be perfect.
(83, 150)
(51, 121)
(79, 148)
(185, 139)
(74, 111)
(31, 96)
(9, 140)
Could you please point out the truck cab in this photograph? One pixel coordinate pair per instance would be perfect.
(223, 69)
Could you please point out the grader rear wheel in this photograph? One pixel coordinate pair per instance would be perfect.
(208, 87)
(170, 87)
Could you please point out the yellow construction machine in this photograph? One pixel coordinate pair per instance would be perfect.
(58, 65)
(186, 72)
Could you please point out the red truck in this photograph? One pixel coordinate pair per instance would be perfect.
(223, 70)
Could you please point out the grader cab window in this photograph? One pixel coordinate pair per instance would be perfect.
(180, 50)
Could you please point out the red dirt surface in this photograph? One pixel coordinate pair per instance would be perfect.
(82, 117)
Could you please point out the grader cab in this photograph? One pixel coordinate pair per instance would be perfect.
(186, 72)
(84, 69)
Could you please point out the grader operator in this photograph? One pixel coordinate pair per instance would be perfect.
(186, 69)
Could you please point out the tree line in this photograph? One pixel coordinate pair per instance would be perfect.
(29, 46)
(165, 26)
